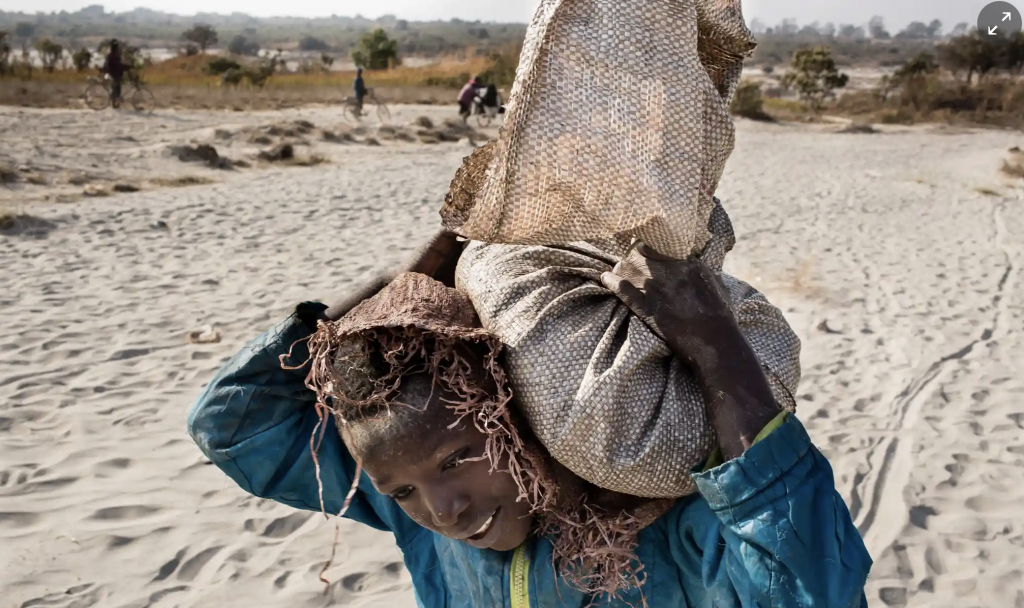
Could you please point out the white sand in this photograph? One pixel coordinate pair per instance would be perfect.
(913, 385)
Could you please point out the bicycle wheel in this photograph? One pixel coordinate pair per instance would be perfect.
(383, 113)
(143, 100)
(351, 114)
(96, 96)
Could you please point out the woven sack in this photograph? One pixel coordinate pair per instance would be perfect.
(617, 129)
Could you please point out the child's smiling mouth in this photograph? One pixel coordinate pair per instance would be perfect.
(485, 528)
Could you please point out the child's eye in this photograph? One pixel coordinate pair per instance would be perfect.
(402, 493)
(454, 460)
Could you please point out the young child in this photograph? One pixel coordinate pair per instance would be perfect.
(482, 517)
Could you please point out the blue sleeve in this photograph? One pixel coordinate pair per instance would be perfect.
(254, 421)
(773, 532)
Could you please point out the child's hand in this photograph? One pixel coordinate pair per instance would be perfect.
(686, 303)
(683, 301)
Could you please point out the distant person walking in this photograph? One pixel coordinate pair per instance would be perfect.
(113, 66)
(359, 88)
(467, 96)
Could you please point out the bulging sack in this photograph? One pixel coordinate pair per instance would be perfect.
(617, 125)
(601, 391)
(617, 129)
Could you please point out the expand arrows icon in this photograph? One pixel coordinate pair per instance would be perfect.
(992, 30)
(1007, 16)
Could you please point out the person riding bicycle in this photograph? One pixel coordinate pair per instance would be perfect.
(467, 96)
(359, 87)
(114, 67)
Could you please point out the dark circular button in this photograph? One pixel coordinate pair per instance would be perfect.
(999, 23)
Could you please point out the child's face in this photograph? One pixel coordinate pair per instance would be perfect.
(415, 458)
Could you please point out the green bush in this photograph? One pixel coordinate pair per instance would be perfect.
(312, 43)
(502, 71)
(50, 53)
(451, 82)
(376, 51)
(240, 45)
(814, 76)
(219, 65)
(748, 102)
(202, 35)
(82, 59)
(5, 53)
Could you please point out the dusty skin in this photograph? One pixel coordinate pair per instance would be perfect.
(897, 256)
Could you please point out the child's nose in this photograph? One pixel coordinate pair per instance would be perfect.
(446, 507)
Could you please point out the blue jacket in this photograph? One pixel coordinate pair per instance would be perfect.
(768, 529)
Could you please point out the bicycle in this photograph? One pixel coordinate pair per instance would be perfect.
(98, 94)
(488, 106)
(485, 115)
(355, 113)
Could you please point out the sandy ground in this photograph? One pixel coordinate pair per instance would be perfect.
(897, 257)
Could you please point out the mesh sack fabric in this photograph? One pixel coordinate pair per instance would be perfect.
(617, 125)
(617, 129)
(601, 391)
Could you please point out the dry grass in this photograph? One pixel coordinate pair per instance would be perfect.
(180, 182)
(856, 128)
(189, 72)
(937, 98)
(787, 109)
(986, 191)
(44, 94)
(183, 83)
(307, 161)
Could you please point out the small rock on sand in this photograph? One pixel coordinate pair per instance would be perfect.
(196, 154)
(826, 328)
(205, 335)
(95, 191)
(278, 153)
(338, 138)
(125, 188)
(859, 128)
(201, 153)
(7, 175)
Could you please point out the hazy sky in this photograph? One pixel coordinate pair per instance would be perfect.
(896, 12)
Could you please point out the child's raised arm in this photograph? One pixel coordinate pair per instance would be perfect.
(772, 530)
(255, 421)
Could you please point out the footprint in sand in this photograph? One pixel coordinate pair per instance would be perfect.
(15, 521)
(79, 596)
(354, 582)
(281, 581)
(168, 569)
(192, 568)
(285, 526)
(124, 513)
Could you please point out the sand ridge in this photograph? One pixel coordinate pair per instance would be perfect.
(897, 256)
